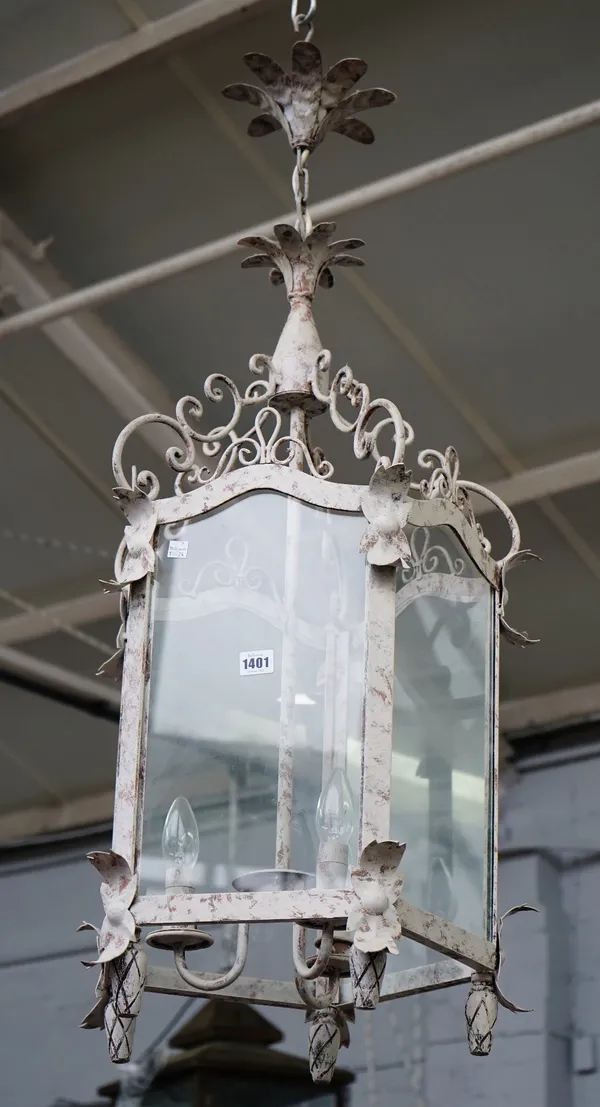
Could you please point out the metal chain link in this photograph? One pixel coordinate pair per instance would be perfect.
(304, 19)
(300, 187)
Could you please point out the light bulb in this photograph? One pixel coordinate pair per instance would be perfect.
(335, 810)
(180, 842)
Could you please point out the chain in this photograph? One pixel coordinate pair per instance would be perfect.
(300, 181)
(304, 19)
(300, 185)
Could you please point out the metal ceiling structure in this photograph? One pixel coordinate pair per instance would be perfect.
(117, 255)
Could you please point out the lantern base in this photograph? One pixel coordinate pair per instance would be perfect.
(274, 880)
(180, 937)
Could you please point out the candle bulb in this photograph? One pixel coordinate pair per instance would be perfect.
(335, 821)
(180, 845)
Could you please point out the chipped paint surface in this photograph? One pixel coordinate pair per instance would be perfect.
(301, 264)
(387, 508)
(492, 782)
(217, 907)
(135, 557)
(117, 891)
(324, 1040)
(212, 466)
(252, 990)
(481, 1013)
(376, 773)
(282, 993)
(434, 513)
(131, 756)
(209, 982)
(285, 766)
(421, 926)
(307, 103)
(272, 477)
(446, 938)
(426, 978)
(377, 884)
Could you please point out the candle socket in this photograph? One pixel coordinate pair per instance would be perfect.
(332, 864)
(178, 881)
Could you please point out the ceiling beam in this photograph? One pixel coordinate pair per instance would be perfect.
(53, 818)
(544, 480)
(96, 696)
(93, 348)
(394, 185)
(47, 620)
(172, 32)
(552, 709)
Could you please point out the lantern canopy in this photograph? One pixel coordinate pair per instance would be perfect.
(309, 720)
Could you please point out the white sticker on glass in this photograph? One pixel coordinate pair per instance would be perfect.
(256, 662)
(177, 549)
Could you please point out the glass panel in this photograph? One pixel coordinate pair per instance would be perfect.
(257, 663)
(443, 703)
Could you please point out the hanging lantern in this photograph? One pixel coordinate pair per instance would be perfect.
(309, 721)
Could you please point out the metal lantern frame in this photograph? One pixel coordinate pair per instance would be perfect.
(215, 468)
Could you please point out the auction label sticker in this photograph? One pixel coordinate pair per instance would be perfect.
(177, 548)
(256, 662)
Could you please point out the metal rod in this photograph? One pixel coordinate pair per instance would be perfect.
(321, 961)
(207, 982)
(131, 762)
(285, 772)
(378, 707)
(394, 185)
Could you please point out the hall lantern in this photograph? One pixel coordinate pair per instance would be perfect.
(309, 715)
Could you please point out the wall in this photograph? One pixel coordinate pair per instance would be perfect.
(413, 1051)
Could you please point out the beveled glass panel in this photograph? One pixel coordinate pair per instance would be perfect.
(256, 676)
(443, 717)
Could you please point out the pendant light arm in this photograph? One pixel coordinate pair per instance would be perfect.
(311, 972)
(214, 984)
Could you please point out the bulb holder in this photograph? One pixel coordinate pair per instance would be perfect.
(332, 864)
(179, 937)
(339, 961)
(178, 880)
(273, 880)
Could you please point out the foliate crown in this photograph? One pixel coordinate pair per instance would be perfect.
(307, 103)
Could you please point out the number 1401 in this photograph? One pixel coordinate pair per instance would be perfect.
(256, 662)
